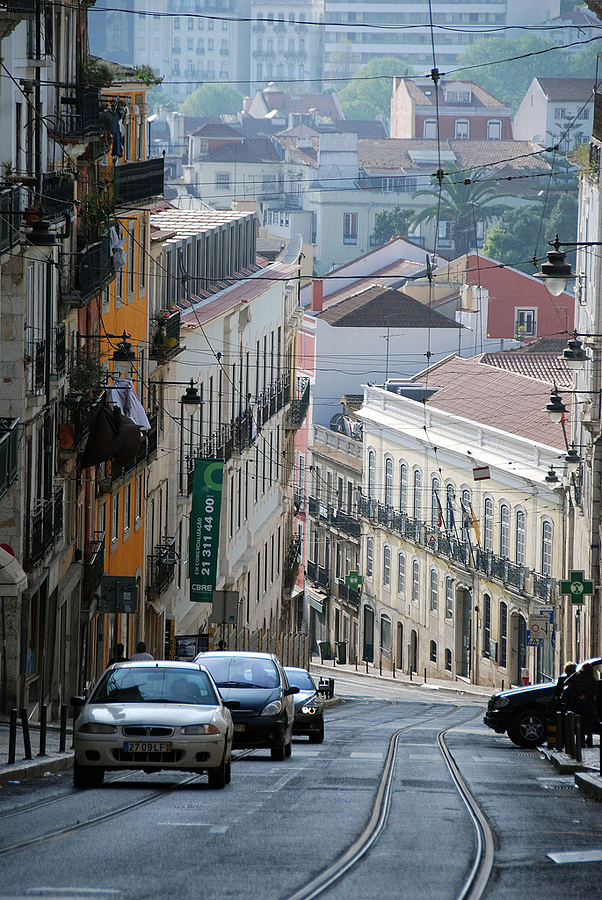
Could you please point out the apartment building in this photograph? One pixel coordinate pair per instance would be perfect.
(286, 43)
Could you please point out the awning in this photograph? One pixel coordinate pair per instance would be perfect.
(13, 579)
(316, 599)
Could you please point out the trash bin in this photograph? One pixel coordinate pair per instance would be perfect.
(325, 650)
(341, 652)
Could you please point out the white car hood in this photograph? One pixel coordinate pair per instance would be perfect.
(148, 714)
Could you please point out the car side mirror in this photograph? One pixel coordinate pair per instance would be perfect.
(291, 690)
(232, 704)
(77, 701)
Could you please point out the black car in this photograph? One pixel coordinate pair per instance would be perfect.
(309, 705)
(521, 712)
(256, 682)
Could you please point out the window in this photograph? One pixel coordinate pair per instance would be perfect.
(448, 660)
(436, 517)
(466, 514)
(504, 531)
(371, 472)
(449, 597)
(369, 555)
(525, 323)
(445, 233)
(127, 510)
(415, 581)
(403, 487)
(131, 257)
(210, 43)
(488, 524)
(458, 96)
(583, 114)
(451, 519)
(433, 652)
(222, 181)
(417, 489)
(520, 537)
(386, 565)
(434, 590)
(559, 112)
(401, 573)
(429, 129)
(115, 519)
(139, 497)
(385, 635)
(503, 635)
(462, 129)
(350, 228)
(494, 130)
(388, 481)
(486, 624)
(546, 548)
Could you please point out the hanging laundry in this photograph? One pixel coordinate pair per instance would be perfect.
(116, 246)
(117, 151)
(123, 395)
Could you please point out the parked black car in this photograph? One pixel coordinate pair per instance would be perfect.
(309, 705)
(257, 682)
(521, 712)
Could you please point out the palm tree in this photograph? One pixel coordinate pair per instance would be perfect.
(464, 199)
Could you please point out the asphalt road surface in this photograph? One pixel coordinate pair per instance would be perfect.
(373, 813)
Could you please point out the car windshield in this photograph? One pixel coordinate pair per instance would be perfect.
(231, 671)
(155, 685)
(301, 679)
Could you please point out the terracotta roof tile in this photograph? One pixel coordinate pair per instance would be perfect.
(395, 154)
(378, 306)
(575, 89)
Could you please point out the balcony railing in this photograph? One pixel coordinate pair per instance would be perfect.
(77, 115)
(299, 404)
(75, 422)
(318, 574)
(60, 350)
(94, 560)
(9, 450)
(348, 594)
(43, 528)
(35, 363)
(166, 340)
(138, 181)
(57, 195)
(92, 273)
(148, 449)
(10, 204)
(161, 567)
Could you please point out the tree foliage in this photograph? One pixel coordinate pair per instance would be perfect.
(505, 68)
(368, 94)
(212, 100)
(390, 222)
(523, 232)
(461, 203)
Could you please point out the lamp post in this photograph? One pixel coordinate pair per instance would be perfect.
(190, 401)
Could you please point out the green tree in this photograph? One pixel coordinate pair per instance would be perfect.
(390, 222)
(461, 203)
(368, 94)
(212, 100)
(520, 234)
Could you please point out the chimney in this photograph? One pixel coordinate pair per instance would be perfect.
(317, 295)
(246, 104)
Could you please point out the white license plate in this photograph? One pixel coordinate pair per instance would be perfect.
(239, 728)
(147, 747)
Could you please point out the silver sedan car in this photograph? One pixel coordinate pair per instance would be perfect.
(152, 716)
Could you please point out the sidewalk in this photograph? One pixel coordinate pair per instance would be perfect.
(587, 773)
(38, 766)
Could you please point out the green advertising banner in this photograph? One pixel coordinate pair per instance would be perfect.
(204, 528)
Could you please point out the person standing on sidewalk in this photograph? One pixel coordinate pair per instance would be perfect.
(141, 652)
(582, 695)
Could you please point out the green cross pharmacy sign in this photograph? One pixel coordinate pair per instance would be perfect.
(354, 579)
(576, 587)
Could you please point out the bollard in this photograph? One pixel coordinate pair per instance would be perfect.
(393, 661)
(578, 738)
(380, 667)
(12, 736)
(552, 734)
(43, 717)
(63, 731)
(26, 741)
(410, 673)
(601, 757)
(356, 663)
(569, 736)
(366, 667)
(425, 675)
(559, 731)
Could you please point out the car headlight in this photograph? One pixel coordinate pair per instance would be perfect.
(500, 702)
(96, 728)
(309, 710)
(199, 729)
(272, 709)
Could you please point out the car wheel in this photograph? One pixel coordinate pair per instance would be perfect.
(279, 753)
(528, 728)
(87, 776)
(218, 776)
(318, 736)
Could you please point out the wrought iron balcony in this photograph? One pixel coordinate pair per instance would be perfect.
(90, 274)
(148, 449)
(299, 404)
(75, 422)
(349, 594)
(10, 204)
(161, 567)
(77, 114)
(94, 560)
(35, 366)
(9, 453)
(318, 574)
(43, 528)
(166, 339)
(57, 195)
(138, 181)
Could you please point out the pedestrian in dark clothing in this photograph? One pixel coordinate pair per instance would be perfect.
(555, 704)
(581, 693)
(118, 657)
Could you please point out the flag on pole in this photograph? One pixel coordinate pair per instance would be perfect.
(450, 514)
(475, 525)
(439, 511)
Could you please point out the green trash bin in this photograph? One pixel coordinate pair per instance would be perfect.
(341, 652)
(325, 650)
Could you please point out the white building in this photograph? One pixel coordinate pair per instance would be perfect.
(283, 46)
(556, 109)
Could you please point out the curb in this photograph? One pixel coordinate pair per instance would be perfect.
(29, 769)
(589, 784)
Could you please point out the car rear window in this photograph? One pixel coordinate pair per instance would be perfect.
(155, 685)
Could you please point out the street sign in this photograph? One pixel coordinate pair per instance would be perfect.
(354, 579)
(576, 587)
(539, 626)
(534, 642)
(119, 594)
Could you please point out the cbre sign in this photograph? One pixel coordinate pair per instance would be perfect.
(204, 528)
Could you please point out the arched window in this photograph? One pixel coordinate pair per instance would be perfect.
(520, 537)
(371, 472)
(387, 565)
(466, 514)
(434, 589)
(449, 597)
(401, 573)
(436, 517)
(388, 481)
(369, 555)
(488, 524)
(486, 625)
(503, 655)
(448, 660)
(415, 581)
(546, 548)
(417, 505)
(504, 530)
(450, 517)
(403, 487)
(385, 635)
(433, 652)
